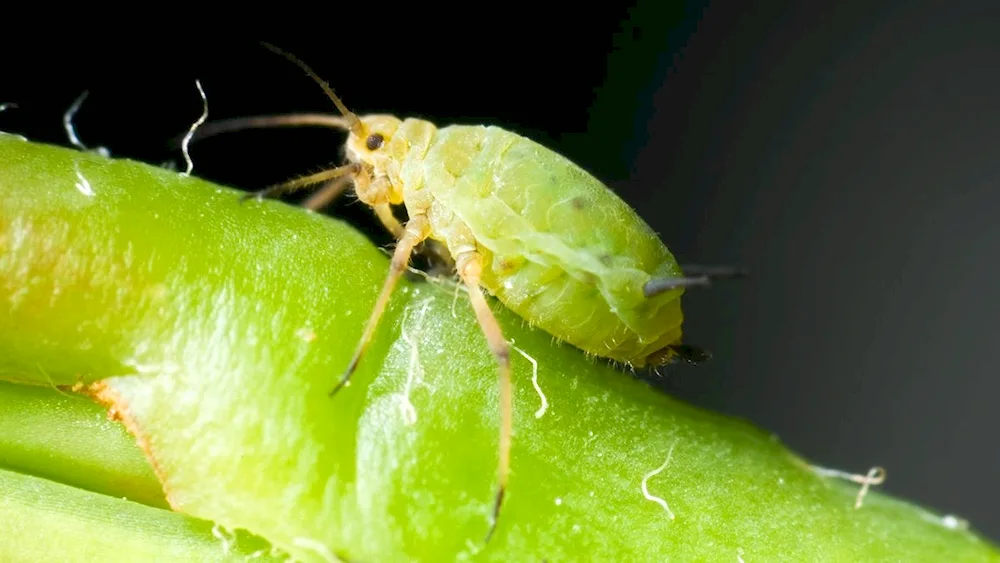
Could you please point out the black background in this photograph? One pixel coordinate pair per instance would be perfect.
(849, 156)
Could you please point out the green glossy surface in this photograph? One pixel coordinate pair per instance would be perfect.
(220, 327)
(50, 433)
(47, 521)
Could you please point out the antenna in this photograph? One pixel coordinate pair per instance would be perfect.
(352, 120)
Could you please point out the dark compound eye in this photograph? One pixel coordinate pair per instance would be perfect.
(374, 141)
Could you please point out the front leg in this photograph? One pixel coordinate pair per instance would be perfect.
(416, 230)
(349, 170)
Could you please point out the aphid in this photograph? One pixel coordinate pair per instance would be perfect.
(542, 235)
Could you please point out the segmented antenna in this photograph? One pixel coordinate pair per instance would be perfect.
(352, 120)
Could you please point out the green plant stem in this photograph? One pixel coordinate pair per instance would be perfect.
(48, 521)
(216, 330)
(68, 438)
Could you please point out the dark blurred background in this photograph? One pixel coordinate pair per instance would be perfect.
(847, 154)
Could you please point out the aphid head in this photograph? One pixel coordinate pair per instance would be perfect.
(377, 181)
(369, 146)
(367, 137)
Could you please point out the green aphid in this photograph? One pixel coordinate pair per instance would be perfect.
(539, 233)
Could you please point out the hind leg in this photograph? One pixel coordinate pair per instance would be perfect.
(470, 267)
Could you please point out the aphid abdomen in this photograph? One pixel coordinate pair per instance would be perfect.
(562, 251)
(570, 309)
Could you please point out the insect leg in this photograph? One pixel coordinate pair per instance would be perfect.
(389, 221)
(470, 266)
(373, 190)
(416, 230)
(329, 192)
(298, 183)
